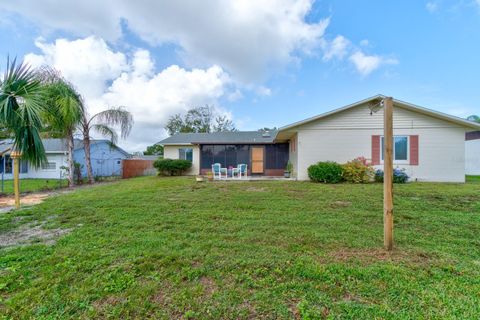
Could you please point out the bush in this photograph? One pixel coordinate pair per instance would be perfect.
(358, 171)
(326, 172)
(399, 176)
(172, 167)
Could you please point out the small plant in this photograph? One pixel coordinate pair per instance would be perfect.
(326, 172)
(288, 170)
(172, 167)
(399, 176)
(358, 170)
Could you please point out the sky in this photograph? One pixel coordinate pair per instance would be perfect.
(263, 63)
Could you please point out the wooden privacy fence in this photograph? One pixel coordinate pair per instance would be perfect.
(137, 167)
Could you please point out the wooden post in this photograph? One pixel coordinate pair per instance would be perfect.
(388, 173)
(16, 177)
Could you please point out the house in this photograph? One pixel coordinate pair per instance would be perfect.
(56, 152)
(106, 159)
(472, 153)
(428, 144)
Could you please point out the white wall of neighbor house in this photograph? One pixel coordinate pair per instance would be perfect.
(346, 135)
(172, 152)
(472, 157)
(51, 171)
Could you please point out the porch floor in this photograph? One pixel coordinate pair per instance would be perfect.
(256, 178)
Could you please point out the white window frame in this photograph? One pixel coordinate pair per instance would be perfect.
(49, 169)
(185, 152)
(407, 161)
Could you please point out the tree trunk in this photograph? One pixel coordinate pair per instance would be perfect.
(71, 165)
(88, 162)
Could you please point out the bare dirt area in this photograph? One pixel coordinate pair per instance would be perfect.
(31, 233)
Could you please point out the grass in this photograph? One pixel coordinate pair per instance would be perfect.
(473, 179)
(172, 248)
(34, 185)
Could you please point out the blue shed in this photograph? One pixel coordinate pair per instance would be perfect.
(106, 158)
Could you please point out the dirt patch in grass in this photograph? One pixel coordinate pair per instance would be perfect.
(103, 303)
(209, 286)
(29, 199)
(340, 204)
(256, 189)
(379, 254)
(31, 233)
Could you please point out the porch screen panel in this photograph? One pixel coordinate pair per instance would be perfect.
(206, 156)
(219, 154)
(230, 156)
(243, 155)
(276, 156)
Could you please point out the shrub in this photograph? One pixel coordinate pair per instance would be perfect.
(399, 176)
(172, 167)
(358, 170)
(326, 172)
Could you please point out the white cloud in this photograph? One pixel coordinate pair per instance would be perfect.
(433, 6)
(364, 43)
(365, 64)
(247, 38)
(109, 78)
(337, 48)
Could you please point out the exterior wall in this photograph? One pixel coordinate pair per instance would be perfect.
(293, 154)
(171, 152)
(472, 157)
(106, 161)
(32, 173)
(347, 135)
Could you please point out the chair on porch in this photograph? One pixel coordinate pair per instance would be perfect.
(217, 171)
(240, 170)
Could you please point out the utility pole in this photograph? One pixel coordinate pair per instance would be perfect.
(388, 174)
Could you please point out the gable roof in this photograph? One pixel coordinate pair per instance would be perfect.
(403, 104)
(78, 144)
(236, 137)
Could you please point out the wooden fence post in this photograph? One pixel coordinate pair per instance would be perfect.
(388, 173)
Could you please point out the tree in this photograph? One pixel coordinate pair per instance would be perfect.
(154, 150)
(21, 106)
(104, 123)
(199, 119)
(63, 113)
(474, 118)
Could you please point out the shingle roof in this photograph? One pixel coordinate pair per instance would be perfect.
(50, 145)
(238, 137)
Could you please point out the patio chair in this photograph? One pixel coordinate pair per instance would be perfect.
(240, 170)
(217, 171)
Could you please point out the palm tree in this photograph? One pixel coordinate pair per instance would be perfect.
(64, 112)
(21, 106)
(474, 118)
(104, 123)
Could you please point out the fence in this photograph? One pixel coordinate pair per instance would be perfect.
(137, 167)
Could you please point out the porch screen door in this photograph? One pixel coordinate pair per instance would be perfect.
(257, 159)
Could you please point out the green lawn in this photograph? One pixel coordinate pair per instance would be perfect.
(33, 185)
(171, 248)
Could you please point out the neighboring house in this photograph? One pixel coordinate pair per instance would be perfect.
(56, 152)
(106, 158)
(429, 145)
(472, 153)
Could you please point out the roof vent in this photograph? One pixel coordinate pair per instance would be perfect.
(266, 134)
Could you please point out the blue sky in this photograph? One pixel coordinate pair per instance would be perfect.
(264, 63)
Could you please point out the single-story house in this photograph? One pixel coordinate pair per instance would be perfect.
(472, 153)
(428, 144)
(106, 159)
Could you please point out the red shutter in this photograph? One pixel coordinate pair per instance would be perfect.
(414, 150)
(375, 150)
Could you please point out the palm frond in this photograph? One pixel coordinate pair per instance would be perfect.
(115, 117)
(21, 106)
(106, 131)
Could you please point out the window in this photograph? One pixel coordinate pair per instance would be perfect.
(185, 154)
(49, 166)
(400, 149)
